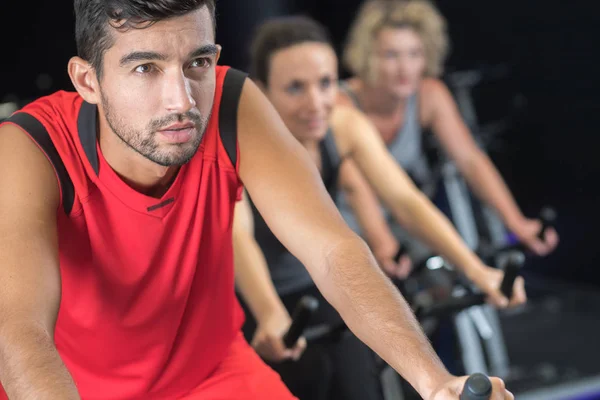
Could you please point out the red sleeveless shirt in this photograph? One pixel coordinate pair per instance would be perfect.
(148, 307)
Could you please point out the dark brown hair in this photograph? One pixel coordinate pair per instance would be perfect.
(93, 17)
(279, 34)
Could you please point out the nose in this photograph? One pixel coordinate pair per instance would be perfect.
(178, 93)
(315, 100)
(405, 64)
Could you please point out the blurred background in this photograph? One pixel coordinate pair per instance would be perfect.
(538, 99)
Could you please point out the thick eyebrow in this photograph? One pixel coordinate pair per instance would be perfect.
(141, 56)
(206, 50)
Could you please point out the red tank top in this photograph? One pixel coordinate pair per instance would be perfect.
(148, 306)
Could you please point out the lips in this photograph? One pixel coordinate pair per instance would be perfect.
(314, 123)
(178, 127)
(178, 133)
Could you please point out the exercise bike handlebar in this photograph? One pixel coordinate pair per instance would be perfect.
(548, 218)
(477, 387)
(308, 305)
(401, 252)
(456, 304)
(304, 310)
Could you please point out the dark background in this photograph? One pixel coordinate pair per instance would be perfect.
(549, 157)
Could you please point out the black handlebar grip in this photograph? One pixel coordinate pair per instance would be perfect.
(511, 271)
(548, 217)
(306, 306)
(401, 252)
(477, 387)
(450, 306)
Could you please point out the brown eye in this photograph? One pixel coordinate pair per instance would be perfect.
(143, 69)
(200, 63)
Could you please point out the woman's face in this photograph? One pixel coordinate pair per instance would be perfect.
(302, 85)
(399, 62)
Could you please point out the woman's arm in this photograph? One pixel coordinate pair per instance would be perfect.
(374, 227)
(413, 209)
(256, 287)
(477, 168)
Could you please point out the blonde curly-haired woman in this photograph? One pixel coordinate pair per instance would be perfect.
(396, 51)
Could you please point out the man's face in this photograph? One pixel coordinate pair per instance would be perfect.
(157, 87)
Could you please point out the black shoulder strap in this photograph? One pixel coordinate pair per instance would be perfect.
(40, 135)
(332, 151)
(230, 100)
(330, 163)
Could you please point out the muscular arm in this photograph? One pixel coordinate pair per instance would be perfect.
(287, 190)
(30, 366)
(251, 271)
(412, 208)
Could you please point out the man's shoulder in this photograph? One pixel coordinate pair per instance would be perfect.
(50, 109)
(222, 71)
(59, 100)
(58, 106)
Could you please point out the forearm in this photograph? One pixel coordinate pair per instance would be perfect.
(423, 219)
(487, 184)
(30, 366)
(376, 312)
(253, 279)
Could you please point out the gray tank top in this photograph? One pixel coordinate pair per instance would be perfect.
(406, 148)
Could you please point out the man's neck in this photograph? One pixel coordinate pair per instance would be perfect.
(134, 169)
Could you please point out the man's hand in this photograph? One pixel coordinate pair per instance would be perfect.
(268, 339)
(452, 389)
(527, 231)
(489, 280)
(385, 253)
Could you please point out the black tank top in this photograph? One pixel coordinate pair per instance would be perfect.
(288, 273)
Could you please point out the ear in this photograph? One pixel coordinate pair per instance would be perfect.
(218, 56)
(83, 77)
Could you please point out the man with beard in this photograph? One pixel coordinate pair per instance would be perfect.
(116, 212)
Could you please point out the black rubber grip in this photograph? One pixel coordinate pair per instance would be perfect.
(511, 271)
(455, 304)
(548, 218)
(401, 252)
(477, 387)
(305, 308)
